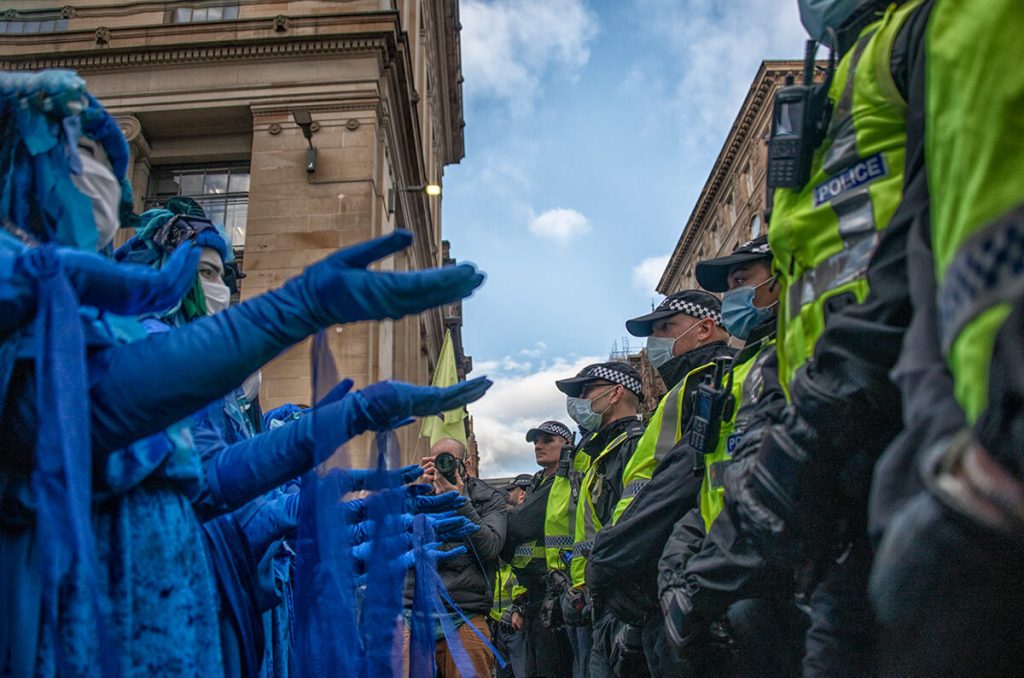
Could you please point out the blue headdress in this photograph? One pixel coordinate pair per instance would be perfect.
(44, 115)
(160, 232)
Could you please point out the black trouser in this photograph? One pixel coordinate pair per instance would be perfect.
(948, 595)
(581, 638)
(663, 660)
(548, 653)
(767, 639)
(842, 637)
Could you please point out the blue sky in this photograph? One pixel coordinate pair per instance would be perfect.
(590, 130)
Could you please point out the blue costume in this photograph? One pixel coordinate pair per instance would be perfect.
(131, 590)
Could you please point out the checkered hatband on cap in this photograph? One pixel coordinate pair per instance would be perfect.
(692, 309)
(614, 376)
(554, 428)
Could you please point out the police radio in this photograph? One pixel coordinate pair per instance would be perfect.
(800, 119)
(712, 404)
(564, 462)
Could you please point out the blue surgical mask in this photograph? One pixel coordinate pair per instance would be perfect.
(820, 15)
(659, 349)
(582, 412)
(739, 315)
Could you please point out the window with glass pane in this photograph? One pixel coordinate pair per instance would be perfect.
(33, 26)
(222, 190)
(223, 11)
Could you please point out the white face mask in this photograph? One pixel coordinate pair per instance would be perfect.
(98, 183)
(218, 295)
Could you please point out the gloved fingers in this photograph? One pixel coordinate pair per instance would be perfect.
(409, 473)
(450, 397)
(129, 289)
(449, 524)
(373, 479)
(353, 510)
(419, 290)
(365, 253)
(466, 529)
(440, 502)
(445, 555)
(336, 393)
(417, 490)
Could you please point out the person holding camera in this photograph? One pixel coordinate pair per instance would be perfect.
(468, 577)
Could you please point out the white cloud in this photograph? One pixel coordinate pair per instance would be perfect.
(515, 404)
(508, 46)
(559, 224)
(715, 49)
(538, 349)
(648, 272)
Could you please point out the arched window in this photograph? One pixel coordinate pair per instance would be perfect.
(755, 225)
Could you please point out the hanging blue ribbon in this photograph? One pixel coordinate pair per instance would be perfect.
(62, 478)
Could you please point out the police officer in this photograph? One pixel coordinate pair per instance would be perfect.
(603, 398)
(546, 652)
(686, 341)
(559, 530)
(730, 611)
(839, 249)
(945, 581)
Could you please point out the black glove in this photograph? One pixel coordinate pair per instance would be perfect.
(681, 626)
(576, 607)
(555, 582)
(627, 660)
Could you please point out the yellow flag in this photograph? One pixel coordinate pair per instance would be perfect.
(449, 424)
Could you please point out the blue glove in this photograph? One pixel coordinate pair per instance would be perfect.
(370, 479)
(123, 289)
(340, 289)
(416, 499)
(454, 529)
(407, 561)
(201, 361)
(447, 526)
(264, 522)
(241, 472)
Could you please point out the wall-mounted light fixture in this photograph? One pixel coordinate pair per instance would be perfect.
(305, 122)
(426, 189)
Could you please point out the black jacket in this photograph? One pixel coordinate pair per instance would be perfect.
(609, 470)
(622, 567)
(469, 577)
(525, 524)
(720, 567)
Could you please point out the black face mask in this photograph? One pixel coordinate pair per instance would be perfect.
(678, 367)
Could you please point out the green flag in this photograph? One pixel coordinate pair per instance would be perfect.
(448, 424)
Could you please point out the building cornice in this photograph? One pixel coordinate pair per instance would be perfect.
(175, 44)
(757, 97)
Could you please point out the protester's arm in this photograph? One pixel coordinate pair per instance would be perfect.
(200, 362)
(242, 471)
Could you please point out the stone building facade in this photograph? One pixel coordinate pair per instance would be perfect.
(731, 206)
(209, 93)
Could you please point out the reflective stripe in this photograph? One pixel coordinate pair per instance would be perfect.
(559, 542)
(524, 550)
(582, 548)
(843, 150)
(987, 269)
(667, 434)
(837, 270)
(634, 487)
